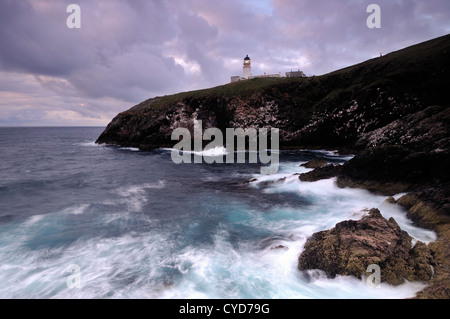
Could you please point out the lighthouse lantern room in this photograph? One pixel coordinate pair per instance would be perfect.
(247, 68)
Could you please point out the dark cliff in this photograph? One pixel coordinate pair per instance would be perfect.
(342, 109)
(392, 112)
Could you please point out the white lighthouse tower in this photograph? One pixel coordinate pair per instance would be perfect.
(247, 68)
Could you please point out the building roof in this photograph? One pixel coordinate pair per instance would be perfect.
(246, 58)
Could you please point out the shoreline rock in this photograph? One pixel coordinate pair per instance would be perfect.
(315, 163)
(324, 172)
(351, 246)
(393, 169)
(429, 209)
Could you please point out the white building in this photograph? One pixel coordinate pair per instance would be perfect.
(247, 73)
(247, 68)
(295, 74)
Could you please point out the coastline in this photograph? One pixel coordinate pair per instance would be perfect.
(396, 125)
(423, 213)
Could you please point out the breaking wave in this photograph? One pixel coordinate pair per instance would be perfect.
(139, 226)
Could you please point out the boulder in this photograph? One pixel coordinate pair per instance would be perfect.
(351, 246)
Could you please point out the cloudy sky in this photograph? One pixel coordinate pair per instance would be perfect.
(129, 50)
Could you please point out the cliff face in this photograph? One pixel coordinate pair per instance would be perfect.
(350, 108)
(392, 111)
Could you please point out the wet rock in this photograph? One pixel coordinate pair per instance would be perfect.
(250, 181)
(280, 247)
(272, 182)
(315, 163)
(351, 246)
(390, 200)
(392, 169)
(428, 208)
(324, 172)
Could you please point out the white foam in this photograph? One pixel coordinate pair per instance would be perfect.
(137, 189)
(286, 171)
(397, 196)
(87, 144)
(225, 272)
(131, 149)
(135, 196)
(216, 151)
(150, 265)
(155, 263)
(33, 220)
(76, 210)
(338, 204)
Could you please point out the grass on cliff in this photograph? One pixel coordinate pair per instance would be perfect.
(241, 89)
(420, 70)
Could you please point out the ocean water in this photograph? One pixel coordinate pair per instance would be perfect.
(78, 220)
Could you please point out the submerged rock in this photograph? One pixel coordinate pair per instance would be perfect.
(315, 163)
(351, 246)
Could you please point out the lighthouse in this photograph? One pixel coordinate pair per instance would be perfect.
(247, 74)
(247, 68)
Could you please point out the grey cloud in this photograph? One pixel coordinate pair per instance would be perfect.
(333, 34)
(133, 76)
(33, 42)
(39, 42)
(127, 50)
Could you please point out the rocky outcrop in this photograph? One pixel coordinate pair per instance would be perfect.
(351, 246)
(315, 163)
(324, 172)
(391, 169)
(404, 155)
(428, 208)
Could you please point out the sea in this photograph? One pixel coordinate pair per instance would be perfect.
(80, 220)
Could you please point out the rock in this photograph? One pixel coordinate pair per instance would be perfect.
(280, 247)
(392, 169)
(390, 200)
(250, 181)
(324, 172)
(351, 246)
(272, 182)
(429, 208)
(425, 129)
(407, 201)
(315, 163)
(426, 212)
